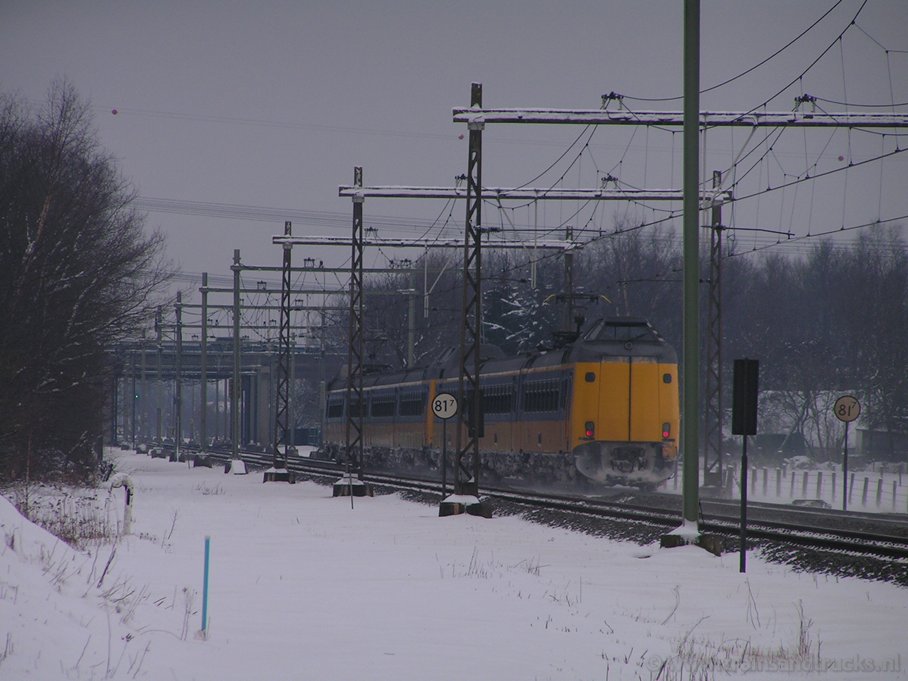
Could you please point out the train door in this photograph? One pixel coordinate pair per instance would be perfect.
(629, 402)
(645, 416)
(564, 406)
(614, 400)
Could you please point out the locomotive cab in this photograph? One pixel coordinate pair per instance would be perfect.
(626, 413)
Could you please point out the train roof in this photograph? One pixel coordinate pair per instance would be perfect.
(606, 337)
(623, 337)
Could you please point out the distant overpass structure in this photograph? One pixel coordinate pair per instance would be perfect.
(147, 373)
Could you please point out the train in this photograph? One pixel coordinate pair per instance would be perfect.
(602, 409)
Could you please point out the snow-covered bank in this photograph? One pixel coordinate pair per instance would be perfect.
(304, 587)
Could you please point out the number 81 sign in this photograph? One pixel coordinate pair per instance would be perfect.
(847, 408)
(444, 406)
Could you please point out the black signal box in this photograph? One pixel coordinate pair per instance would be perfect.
(744, 397)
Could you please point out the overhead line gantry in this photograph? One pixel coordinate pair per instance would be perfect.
(529, 193)
(707, 119)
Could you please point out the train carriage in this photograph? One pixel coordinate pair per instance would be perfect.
(605, 406)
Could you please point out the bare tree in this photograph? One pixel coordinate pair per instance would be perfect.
(639, 271)
(873, 299)
(77, 273)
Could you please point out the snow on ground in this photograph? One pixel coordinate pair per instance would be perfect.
(869, 491)
(302, 586)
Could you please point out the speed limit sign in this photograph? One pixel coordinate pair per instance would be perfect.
(444, 406)
(847, 408)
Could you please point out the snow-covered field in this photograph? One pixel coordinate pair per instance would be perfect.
(302, 586)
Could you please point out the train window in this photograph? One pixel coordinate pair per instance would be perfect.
(666, 378)
(335, 409)
(541, 395)
(412, 403)
(565, 392)
(382, 406)
(590, 377)
(498, 399)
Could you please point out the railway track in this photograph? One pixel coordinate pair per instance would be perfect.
(882, 543)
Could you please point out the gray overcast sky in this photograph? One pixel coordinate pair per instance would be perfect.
(272, 103)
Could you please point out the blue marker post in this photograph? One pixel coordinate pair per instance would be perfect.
(205, 586)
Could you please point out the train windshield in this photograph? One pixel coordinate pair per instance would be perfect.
(622, 331)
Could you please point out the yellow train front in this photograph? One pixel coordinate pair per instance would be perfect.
(625, 416)
(605, 406)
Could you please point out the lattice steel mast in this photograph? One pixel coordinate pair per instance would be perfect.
(466, 457)
(282, 410)
(712, 455)
(355, 404)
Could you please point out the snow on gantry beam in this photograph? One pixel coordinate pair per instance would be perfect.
(527, 194)
(752, 119)
(422, 243)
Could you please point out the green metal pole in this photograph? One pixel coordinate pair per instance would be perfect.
(690, 441)
(203, 369)
(237, 376)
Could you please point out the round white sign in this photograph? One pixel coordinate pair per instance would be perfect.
(444, 406)
(847, 408)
